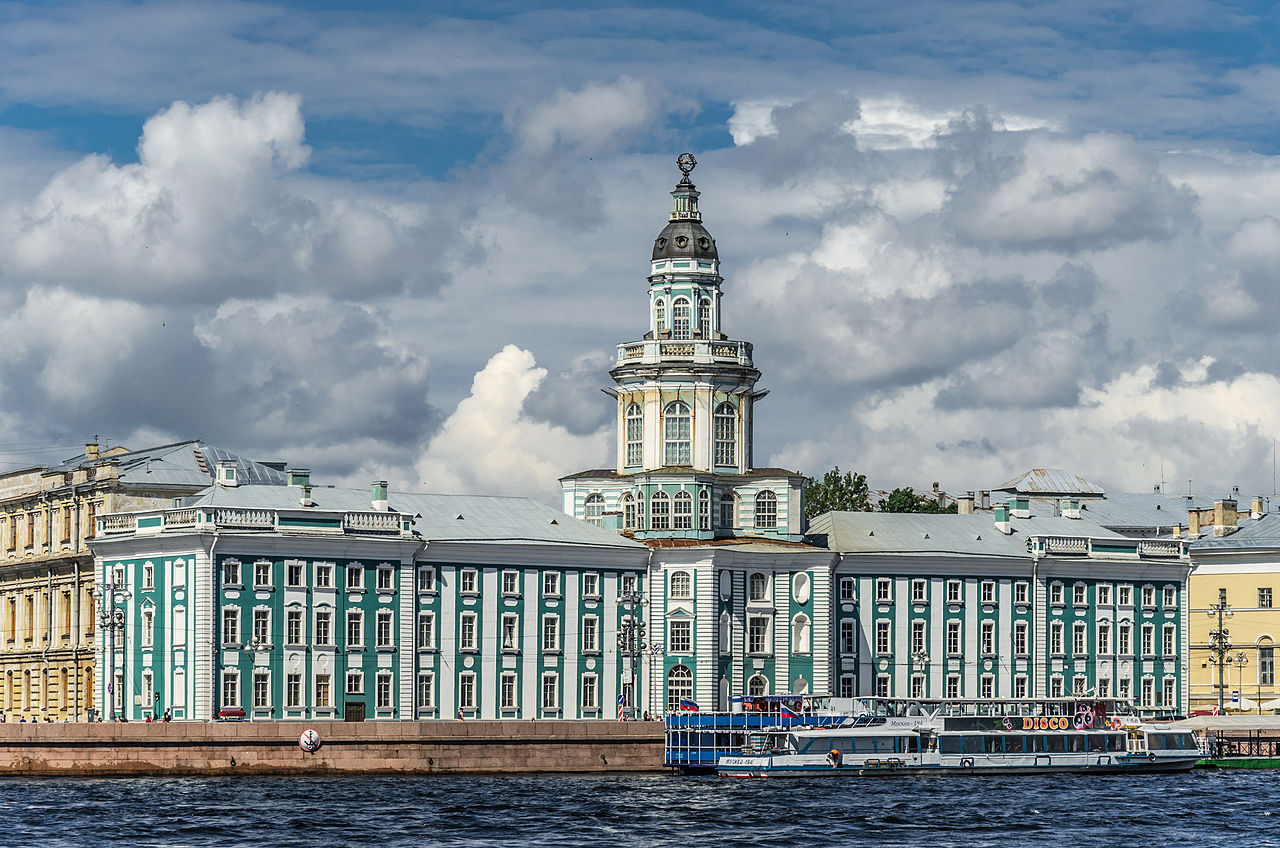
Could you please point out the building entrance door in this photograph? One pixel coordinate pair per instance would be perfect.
(353, 711)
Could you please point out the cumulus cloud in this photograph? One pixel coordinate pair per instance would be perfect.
(596, 116)
(489, 443)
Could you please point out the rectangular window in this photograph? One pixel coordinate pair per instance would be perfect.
(884, 590)
(757, 634)
(1055, 594)
(467, 631)
(551, 584)
(295, 571)
(918, 637)
(426, 690)
(953, 638)
(590, 696)
(467, 581)
(1170, 690)
(630, 584)
(848, 591)
(261, 688)
(148, 630)
(917, 686)
(324, 628)
(1149, 596)
(590, 634)
(261, 627)
(551, 633)
(882, 686)
(988, 591)
(1104, 637)
(1104, 594)
(987, 686)
(466, 691)
(1104, 687)
(386, 579)
(1021, 591)
(231, 572)
(1123, 688)
(262, 574)
(1078, 685)
(954, 588)
(426, 579)
(1148, 640)
(1124, 643)
(427, 630)
(848, 642)
(918, 591)
(230, 687)
(1078, 592)
(1168, 640)
(846, 686)
(324, 698)
(385, 630)
(355, 682)
(1170, 597)
(1079, 639)
(510, 631)
(1148, 691)
(1020, 638)
(293, 627)
(1266, 666)
(231, 626)
(1019, 687)
(511, 583)
(293, 690)
(550, 690)
(1124, 595)
(988, 638)
(1055, 637)
(148, 576)
(882, 636)
(953, 686)
(383, 701)
(355, 629)
(1055, 687)
(324, 575)
(1264, 598)
(355, 577)
(507, 693)
(591, 585)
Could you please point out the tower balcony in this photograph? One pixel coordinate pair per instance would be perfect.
(696, 351)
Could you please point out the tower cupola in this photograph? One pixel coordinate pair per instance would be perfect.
(684, 237)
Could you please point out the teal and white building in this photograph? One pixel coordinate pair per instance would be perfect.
(686, 395)
(301, 602)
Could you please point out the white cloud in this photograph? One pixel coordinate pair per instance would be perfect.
(593, 117)
(490, 445)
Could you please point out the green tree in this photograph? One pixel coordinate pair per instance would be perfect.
(837, 492)
(906, 500)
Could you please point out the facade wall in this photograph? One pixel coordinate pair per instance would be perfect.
(1252, 583)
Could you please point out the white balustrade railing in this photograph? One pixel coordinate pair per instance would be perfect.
(679, 349)
(119, 523)
(251, 518)
(372, 522)
(180, 518)
(1066, 545)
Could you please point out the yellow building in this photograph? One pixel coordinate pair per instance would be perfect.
(1235, 581)
(47, 607)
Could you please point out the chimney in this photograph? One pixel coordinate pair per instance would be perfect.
(298, 476)
(1193, 523)
(1224, 517)
(91, 449)
(225, 473)
(304, 497)
(984, 499)
(964, 505)
(1019, 506)
(380, 495)
(1071, 508)
(1177, 531)
(1256, 508)
(1002, 519)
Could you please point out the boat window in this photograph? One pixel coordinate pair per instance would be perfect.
(1055, 744)
(1013, 744)
(993, 745)
(1097, 742)
(951, 744)
(1115, 742)
(1076, 742)
(973, 744)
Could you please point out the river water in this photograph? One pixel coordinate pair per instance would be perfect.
(1201, 808)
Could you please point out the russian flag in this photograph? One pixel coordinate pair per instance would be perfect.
(688, 704)
(787, 712)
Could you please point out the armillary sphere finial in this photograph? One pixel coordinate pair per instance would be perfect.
(686, 163)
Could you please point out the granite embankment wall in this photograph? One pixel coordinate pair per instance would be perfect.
(394, 747)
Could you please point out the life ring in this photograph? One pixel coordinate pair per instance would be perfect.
(1115, 723)
(834, 758)
(1151, 756)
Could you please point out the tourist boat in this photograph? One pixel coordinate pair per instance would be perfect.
(912, 737)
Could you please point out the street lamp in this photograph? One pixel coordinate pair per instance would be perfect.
(1220, 641)
(1240, 661)
(631, 642)
(111, 618)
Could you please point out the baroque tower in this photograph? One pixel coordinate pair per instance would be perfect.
(686, 393)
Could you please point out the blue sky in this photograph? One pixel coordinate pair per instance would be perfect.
(400, 240)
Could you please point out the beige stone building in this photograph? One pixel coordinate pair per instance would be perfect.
(47, 605)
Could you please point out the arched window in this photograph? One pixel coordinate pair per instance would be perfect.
(726, 433)
(660, 511)
(628, 512)
(726, 634)
(635, 435)
(681, 585)
(800, 634)
(681, 319)
(679, 687)
(682, 515)
(1266, 661)
(757, 685)
(704, 510)
(758, 587)
(728, 511)
(659, 315)
(766, 510)
(677, 434)
(593, 510)
(704, 317)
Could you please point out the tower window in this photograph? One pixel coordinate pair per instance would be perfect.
(704, 317)
(682, 516)
(728, 511)
(726, 432)
(628, 512)
(677, 433)
(593, 510)
(660, 511)
(659, 315)
(635, 435)
(681, 319)
(704, 510)
(766, 510)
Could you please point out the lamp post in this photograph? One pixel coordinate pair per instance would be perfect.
(920, 660)
(1220, 641)
(111, 618)
(632, 644)
(1240, 660)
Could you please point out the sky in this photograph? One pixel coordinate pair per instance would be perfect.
(400, 241)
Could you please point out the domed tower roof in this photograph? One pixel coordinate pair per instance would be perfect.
(684, 237)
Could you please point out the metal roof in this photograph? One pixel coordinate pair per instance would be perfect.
(947, 534)
(1049, 481)
(1140, 509)
(1262, 533)
(188, 465)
